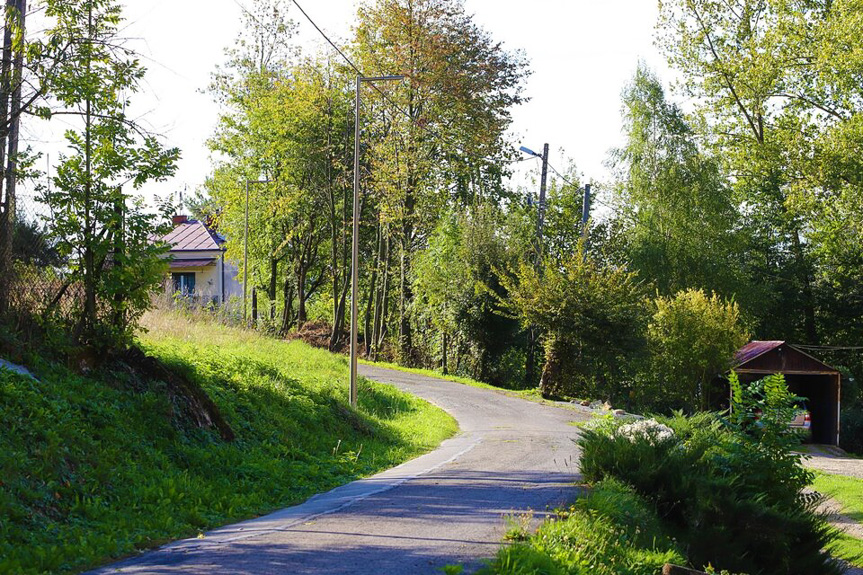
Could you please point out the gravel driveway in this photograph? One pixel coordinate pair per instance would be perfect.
(832, 460)
(511, 456)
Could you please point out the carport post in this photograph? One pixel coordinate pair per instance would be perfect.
(838, 406)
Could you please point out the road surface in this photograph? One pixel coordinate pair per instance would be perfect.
(511, 456)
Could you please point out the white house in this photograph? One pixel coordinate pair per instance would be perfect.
(198, 266)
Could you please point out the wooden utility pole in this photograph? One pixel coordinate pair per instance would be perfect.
(540, 216)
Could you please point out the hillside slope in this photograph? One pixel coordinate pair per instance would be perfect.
(96, 467)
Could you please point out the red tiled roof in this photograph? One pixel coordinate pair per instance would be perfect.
(753, 349)
(192, 236)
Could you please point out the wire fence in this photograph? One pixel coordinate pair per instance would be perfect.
(36, 282)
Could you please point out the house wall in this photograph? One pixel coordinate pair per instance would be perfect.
(208, 280)
(233, 286)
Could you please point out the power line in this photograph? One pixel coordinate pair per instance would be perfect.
(829, 347)
(327, 38)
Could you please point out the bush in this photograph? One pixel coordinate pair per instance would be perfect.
(613, 531)
(851, 438)
(594, 319)
(731, 491)
(692, 338)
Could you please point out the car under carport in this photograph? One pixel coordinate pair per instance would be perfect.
(806, 376)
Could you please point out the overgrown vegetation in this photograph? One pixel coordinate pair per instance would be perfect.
(729, 488)
(611, 531)
(94, 467)
(707, 490)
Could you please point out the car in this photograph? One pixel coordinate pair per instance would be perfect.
(802, 421)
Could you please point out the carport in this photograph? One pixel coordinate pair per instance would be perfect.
(806, 376)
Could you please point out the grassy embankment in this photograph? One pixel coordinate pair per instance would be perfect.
(96, 467)
(849, 493)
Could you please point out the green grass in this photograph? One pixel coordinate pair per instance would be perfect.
(96, 467)
(612, 531)
(848, 491)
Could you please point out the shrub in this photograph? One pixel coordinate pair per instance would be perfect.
(593, 317)
(692, 338)
(851, 438)
(731, 491)
(613, 531)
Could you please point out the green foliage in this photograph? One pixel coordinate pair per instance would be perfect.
(611, 531)
(692, 338)
(851, 437)
(732, 495)
(783, 131)
(678, 212)
(763, 409)
(97, 467)
(457, 293)
(593, 317)
(101, 232)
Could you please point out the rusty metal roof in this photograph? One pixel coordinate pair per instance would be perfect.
(753, 349)
(193, 236)
(777, 357)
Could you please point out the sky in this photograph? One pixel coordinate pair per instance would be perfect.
(581, 54)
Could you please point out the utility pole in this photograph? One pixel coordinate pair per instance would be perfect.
(355, 240)
(540, 216)
(585, 213)
(532, 335)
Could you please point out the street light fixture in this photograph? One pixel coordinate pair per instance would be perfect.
(356, 231)
(246, 248)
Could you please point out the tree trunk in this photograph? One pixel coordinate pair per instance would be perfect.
(88, 319)
(255, 306)
(271, 291)
(382, 299)
(287, 306)
(443, 353)
(301, 295)
(119, 254)
(405, 296)
(368, 335)
(7, 207)
(550, 384)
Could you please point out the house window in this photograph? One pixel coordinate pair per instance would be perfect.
(184, 283)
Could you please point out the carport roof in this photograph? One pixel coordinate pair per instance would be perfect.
(777, 357)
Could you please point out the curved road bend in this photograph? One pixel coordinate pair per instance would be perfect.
(445, 507)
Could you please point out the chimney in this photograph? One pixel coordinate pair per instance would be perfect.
(180, 220)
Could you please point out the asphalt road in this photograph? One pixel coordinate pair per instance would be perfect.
(510, 457)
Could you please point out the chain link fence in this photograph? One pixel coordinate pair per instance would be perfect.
(36, 285)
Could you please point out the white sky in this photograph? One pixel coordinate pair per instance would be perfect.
(581, 52)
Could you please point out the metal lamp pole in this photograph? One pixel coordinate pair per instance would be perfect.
(246, 247)
(355, 242)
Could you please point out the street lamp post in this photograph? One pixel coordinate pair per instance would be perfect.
(246, 247)
(356, 231)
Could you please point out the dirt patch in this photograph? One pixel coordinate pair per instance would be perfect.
(317, 334)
